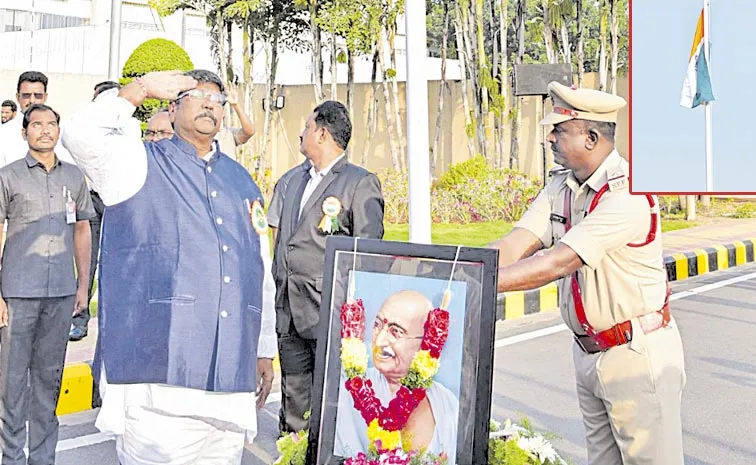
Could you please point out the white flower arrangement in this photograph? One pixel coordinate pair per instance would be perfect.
(513, 444)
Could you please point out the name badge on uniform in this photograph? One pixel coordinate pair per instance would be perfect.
(616, 180)
(70, 207)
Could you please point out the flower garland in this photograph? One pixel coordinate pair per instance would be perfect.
(385, 423)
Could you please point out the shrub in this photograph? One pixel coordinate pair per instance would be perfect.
(494, 195)
(154, 55)
(745, 210)
(475, 168)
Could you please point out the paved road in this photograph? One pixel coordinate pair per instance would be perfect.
(534, 377)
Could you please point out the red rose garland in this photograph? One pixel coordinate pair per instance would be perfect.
(385, 423)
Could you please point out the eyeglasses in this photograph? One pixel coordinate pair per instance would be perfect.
(396, 332)
(28, 95)
(215, 97)
(151, 133)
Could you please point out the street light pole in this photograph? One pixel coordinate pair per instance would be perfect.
(115, 40)
(418, 162)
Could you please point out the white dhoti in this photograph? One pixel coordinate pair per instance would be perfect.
(156, 424)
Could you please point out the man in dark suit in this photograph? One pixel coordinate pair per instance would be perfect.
(332, 197)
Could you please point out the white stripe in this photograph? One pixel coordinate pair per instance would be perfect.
(82, 441)
(92, 439)
(690, 85)
(709, 287)
(508, 341)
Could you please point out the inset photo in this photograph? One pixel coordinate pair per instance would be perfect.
(691, 88)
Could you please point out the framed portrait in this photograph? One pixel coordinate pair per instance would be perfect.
(404, 360)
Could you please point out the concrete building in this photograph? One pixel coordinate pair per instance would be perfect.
(72, 37)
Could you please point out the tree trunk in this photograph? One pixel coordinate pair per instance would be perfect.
(474, 73)
(548, 33)
(270, 95)
(334, 67)
(441, 90)
(706, 201)
(230, 74)
(484, 71)
(614, 37)
(395, 95)
(350, 89)
(503, 79)
(247, 85)
(566, 52)
(579, 48)
(372, 116)
(390, 114)
(514, 152)
(690, 208)
(222, 64)
(602, 46)
(317, 55)
(463, 65)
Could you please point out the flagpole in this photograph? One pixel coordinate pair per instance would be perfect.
(707, 105)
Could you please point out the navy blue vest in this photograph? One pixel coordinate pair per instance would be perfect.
(181, 275)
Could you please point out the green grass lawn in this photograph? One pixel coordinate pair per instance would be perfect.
(482, 234)
(473, 234)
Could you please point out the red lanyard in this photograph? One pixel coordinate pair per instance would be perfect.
(577, 297)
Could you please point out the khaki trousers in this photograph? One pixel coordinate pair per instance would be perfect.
(630, 398)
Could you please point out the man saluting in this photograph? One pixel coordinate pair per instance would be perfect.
(184, 246)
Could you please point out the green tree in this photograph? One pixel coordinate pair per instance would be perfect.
(154, 55)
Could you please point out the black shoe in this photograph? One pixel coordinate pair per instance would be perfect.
(77, 334)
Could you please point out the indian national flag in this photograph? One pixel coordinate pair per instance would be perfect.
(697, 86)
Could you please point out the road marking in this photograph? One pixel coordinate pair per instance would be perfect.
(82, 441)
(97, 438)
(709, 287)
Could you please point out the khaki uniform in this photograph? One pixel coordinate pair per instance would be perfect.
(629, 395)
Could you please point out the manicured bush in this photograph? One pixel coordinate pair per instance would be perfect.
(154, 55)
(491, 195)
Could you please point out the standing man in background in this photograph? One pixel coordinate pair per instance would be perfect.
(7, 111)
(47, 205)
(332, 197)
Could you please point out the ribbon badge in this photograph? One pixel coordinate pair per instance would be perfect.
(330, 222)
(257, 215)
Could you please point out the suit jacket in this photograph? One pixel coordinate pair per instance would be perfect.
(300, 246)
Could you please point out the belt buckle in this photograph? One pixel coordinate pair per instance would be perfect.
(627, 336)
(580, 343)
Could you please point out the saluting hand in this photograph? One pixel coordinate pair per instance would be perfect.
(264, 380)
(166, 85)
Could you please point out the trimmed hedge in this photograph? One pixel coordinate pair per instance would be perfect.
(154, 55)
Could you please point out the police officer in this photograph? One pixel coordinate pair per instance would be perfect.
(606, 245)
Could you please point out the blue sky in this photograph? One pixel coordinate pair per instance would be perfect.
(668, 141)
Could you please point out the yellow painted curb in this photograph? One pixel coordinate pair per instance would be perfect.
(740, 253)
(703, 261)
(514, 305)
(722, 260)
(549, 298)
(681, 265)
(75, 389)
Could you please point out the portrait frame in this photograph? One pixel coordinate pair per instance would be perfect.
(475, 268)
